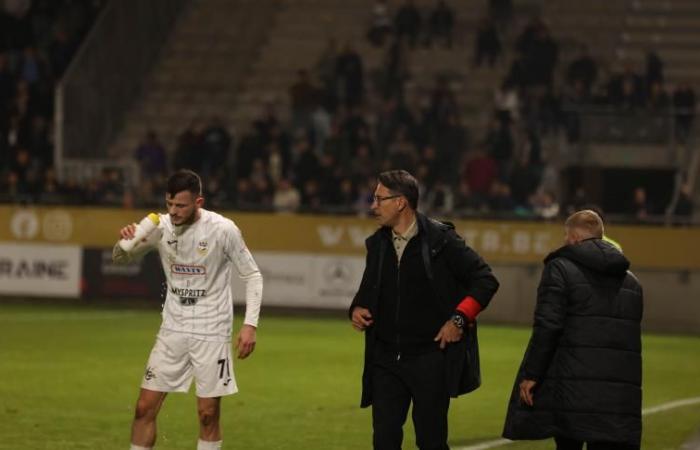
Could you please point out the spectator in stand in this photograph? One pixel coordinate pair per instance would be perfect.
(684, 207)
(501, 12)
(684, 104)
(433, 173)
(658, 101)
(216, 144)
(338, 145)
(480, 171)
(578, 201)
(500, 144)
(38, 141)
(499, 198)
(582, 70)
(443, 103)
(306, 164)
(655, 68)
(524, 180)
(190, 147)
(348, 194)
(152, 159)
(465, 201)
(52, 191)
(350, 75)
(246, 197)
(450, 141)
(625, 89)
(25, 174)
(403, 152)
(32, 66)
(544, 205)
(640, 207)
(488, 44)
(110, 187)
(303, 97)
(320, 127)
(326, 71)
(363, 165)
(311, 197)
(543, 57)
(328, 178)
(440, 199)
(61, 50)
(396, 70)
(7, 85)
(286, 198)
(381, 23)
(441, 25)
(408, 22)
(507, 102)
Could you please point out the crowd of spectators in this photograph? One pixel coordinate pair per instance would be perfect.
(37, 41)
(346, 123)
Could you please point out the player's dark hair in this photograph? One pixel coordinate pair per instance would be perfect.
(403, 183)
(184, 180)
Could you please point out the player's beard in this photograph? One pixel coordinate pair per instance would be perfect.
(189, 220)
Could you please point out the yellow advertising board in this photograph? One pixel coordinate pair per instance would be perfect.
(502, 242)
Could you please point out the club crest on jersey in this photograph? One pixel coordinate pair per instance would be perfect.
(202, 247)
(184, 269)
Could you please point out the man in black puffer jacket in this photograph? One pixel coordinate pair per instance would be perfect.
(581, 377)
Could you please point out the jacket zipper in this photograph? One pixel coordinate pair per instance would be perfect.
(398, 309)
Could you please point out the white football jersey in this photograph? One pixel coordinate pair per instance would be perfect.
(198, 261)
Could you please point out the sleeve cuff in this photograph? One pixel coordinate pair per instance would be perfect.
(469, 307)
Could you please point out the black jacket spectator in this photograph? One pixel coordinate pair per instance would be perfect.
(408, 22)
(585, 350)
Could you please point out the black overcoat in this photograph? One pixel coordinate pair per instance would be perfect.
(585, 350)
(455, 271)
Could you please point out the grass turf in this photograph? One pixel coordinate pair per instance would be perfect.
(70, 376)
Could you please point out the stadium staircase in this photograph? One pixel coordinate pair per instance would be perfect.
(303, 28)
(236, 58)
(199, 71)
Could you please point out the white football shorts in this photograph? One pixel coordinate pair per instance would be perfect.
(176, 358)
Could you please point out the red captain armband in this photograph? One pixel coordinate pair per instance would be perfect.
(469, 307)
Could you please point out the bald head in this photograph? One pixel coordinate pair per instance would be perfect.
(583, 225)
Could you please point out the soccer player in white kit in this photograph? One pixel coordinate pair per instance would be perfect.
(199, 250)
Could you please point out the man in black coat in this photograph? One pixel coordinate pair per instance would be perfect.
(581, 377)
(420, 293)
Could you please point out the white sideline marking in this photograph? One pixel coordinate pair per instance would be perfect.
(645, 412)
(485, 445)
(670, 405)
(71, 316)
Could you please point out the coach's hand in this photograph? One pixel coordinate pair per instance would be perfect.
(526, 387)
(448, 333)
(245, 342)
(361, 318)
(128, 231)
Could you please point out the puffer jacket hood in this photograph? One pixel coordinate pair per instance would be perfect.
(594, 254)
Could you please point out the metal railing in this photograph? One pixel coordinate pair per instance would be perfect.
(106, 74)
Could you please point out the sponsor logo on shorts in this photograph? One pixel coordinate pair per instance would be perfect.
(184, 269)
(150, 374)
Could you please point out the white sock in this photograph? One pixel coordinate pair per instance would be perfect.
(208, 445)
(138, 447)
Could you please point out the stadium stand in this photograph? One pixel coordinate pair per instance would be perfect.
(518, 109)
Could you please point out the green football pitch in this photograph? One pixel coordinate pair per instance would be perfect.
(69, 375)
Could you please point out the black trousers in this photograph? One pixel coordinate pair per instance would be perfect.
(570, 444)
(396, 383)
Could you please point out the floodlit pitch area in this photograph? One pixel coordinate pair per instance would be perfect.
(70, 376)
